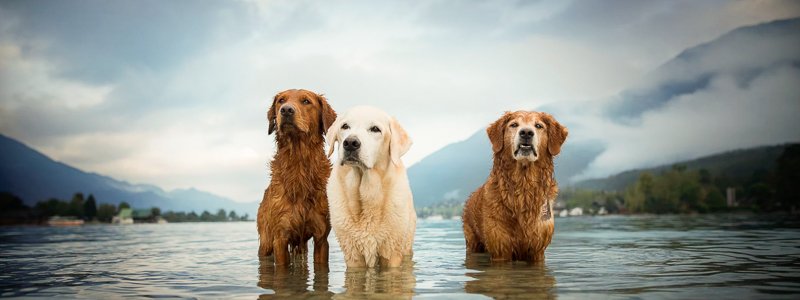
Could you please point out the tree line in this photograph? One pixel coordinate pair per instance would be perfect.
(447, 210)
(680, 190)
(14, 211)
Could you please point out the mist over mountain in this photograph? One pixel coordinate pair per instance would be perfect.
(35, 177)
(737, 91)
(743, 54)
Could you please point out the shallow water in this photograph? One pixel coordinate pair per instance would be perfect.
(719, 256)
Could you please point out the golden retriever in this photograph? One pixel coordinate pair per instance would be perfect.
(295, 206)
(510, 216)
(372, 210)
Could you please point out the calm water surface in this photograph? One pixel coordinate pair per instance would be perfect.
(699, 257)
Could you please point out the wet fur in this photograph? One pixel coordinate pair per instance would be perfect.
(510, 216)
(294, 208)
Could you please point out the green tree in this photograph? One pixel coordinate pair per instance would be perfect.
(762, 195)
(232, 216)
(10, 202)
(106, 212)
(53, 207)
(715, 200)
(155, 211)
(705, 177)
(787, 189)
(123, 205)
(636, 197)
(90, 208)
(76, 206)
(221, 216)
(206, 216)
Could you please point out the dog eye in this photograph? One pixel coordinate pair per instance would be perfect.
(345, 126)
(305, 101)
(281, 100)
(539, 126)
(374, 129)
(514, 125)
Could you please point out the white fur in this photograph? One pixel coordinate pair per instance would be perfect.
(371, 206)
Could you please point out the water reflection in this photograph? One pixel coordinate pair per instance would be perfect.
(504, 280)
(694, 257)
(293, 280)
(391, 282)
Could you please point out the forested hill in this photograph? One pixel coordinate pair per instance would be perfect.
(736, 166)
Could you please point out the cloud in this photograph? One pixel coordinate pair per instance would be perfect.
(176, 96)
(98, 41)
(742, 54)
(724, 116)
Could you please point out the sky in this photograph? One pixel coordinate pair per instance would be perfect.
(175, 93)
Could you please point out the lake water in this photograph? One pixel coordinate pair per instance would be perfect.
(700, 257)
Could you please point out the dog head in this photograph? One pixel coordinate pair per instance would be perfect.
(526, 136)
(367, 136)
(299, 111)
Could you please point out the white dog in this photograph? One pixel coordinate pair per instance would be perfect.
(371, 207)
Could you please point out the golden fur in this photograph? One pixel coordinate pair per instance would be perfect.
(295, 207)
(510, 216)
(372, 209)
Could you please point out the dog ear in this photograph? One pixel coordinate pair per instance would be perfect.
(332, 135)
(496, 132)
(326, 114)
(400, 142)
(271, 114)
(556, 135)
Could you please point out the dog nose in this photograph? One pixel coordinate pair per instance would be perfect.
(351, 144)
(526, 133)
(287, 111)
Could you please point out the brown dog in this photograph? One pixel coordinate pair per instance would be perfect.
(510, 216)
(295, 206)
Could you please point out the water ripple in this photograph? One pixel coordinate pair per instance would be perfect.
(715, 256)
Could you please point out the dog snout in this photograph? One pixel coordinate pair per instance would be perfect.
(351, 144)
(526, 134)
(287, 111)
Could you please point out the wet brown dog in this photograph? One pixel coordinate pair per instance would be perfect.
(295, 206)
(510, 216)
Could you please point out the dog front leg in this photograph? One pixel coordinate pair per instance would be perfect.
(281, 251)
(352, 255)
(321, 250)
(355, 260)
(498, 241)
(393, 261)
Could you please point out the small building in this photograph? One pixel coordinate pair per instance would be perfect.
(142, 215)
(125, 216)
(147, 216)
(577, 211)
(731, 197)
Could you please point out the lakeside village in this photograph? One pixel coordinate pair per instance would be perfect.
(79, 211)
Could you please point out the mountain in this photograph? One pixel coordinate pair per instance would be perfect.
(735, 166)
(745, 54)
(35, 177)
